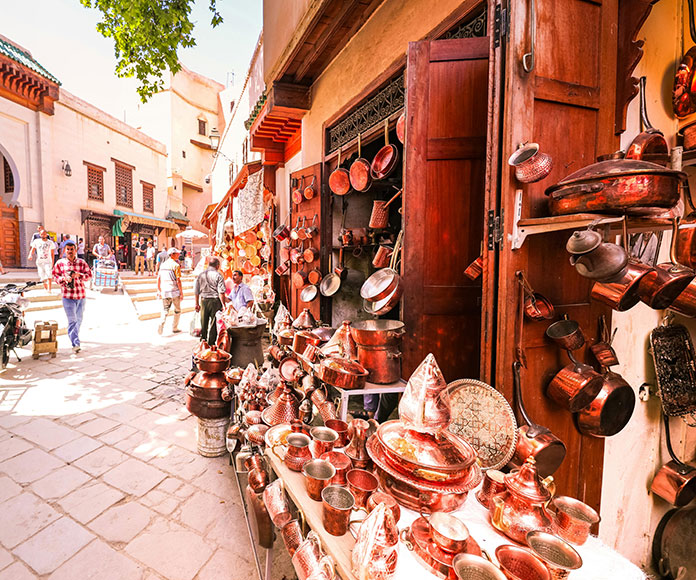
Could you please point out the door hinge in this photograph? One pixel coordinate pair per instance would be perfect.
(500, 24)
(495, 229)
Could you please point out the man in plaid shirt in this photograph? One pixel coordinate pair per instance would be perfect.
(71, 272)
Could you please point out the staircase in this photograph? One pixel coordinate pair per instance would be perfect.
(142, 290)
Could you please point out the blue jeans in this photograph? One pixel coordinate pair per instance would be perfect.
(73, 310)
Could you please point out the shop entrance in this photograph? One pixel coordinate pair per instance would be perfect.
(9, 217)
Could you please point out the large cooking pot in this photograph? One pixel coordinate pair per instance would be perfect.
(377, 332)
(611, 409)
(342, 373)
(383, 363)
(673, 544)
(220, 364)
(661, 286)
(206, 409)
(206, 385)
(616, 186)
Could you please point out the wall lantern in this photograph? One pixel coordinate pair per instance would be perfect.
(66, 168)
(214, 138)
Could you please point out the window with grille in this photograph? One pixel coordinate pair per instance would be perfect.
(148, 198)
(201, 126)
(124, 185)
(95, 183)
(8, 178)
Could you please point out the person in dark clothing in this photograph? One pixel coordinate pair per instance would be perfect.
(209, 295)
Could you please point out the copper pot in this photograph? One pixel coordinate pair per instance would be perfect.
(660, 287)
(310, 254)
(297, 451)
(534, 440)
(286, 336)
(296, 256)
(295, 232)
(622, 294)
(214, 366)
(377, 332)
(386, 158)
(566, 334)
(383, 363)
(206, 409)
(611, 409)
(342, 373)
(299, 279)
(675, 482)
(360, 177)
(573, 519)
(475, 269)
(575, 386)
(302, 338)
(537, 307)
(530, 164)
(411, 496)
(314, 276)
(206, 385)
(308, 191)
(282, 232)
(607, 262)
(688, 133)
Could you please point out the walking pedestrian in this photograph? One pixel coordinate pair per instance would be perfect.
(209, 295)
(169, 289)
(150, 257)
(71, 272)
(81, 249)
(44, 249)
(161, 258)
(140, 248)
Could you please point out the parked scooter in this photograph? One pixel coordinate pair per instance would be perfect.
(13, 330)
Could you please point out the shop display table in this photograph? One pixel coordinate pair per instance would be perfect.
(599, 561)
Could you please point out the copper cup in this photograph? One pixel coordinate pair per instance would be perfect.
(323, 440)
(448, 531)
(337, 503)
(493, 484)
(341, 427)
(292, 536)
(342, 464)
(675, 482)
(567, 334)
(521, 564)
(318, 474)
(382, 256)
(380, 497)
(362, 484)
(558, 555)
(276, 503)
(573, 519)
(311, 353)
(298, 452)
(470, 566)
(257, 479)
(310, 562)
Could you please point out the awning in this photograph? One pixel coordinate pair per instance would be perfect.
(127, 218)
(177, 216)
(208, 212)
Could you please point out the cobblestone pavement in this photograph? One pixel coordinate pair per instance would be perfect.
(99, 475)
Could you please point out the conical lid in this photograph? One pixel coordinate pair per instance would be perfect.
(341, 344)
(424, 405)
(305, 321)
(284, 409)
(583, 241)
(526, 483)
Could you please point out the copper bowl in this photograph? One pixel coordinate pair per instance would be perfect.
(472, 567)
(520, 564)
(559, 556)
(573, 519)
(448, 531)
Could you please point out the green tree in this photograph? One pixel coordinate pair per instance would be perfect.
(147, 35)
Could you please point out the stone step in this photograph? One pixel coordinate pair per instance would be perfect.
(154, 315)
(137, 280)
(33, 298)
(150, 290)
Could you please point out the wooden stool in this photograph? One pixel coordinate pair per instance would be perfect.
(45, 338)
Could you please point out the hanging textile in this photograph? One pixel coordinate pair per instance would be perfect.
(247, 207)
(220, 230)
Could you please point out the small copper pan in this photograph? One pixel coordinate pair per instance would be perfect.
(675, 482)
(566, 334)
(308, 191)
(339, 180)
(575, 386)
(360, 177)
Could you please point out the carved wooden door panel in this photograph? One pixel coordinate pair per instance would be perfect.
(308, 211)
(444, 195)
(566, 104)
(9, 236)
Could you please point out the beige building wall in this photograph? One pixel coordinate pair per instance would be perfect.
(281, 19)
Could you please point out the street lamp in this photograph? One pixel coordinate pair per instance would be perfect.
(214, 138)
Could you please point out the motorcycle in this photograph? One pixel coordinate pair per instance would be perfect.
(13, 330)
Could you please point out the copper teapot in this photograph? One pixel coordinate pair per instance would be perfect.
(521, 508)
(359, 430)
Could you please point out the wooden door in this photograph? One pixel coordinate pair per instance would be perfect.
(566, 104)
(9, 236)
(308, 210)
(443, 207)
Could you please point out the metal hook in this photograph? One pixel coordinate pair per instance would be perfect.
(528, 58)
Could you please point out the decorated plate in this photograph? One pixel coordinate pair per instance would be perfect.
(484, 418)
(277, 435)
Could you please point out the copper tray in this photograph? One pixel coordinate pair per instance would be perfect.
(443, 457)
(483, 417)
(472, 478)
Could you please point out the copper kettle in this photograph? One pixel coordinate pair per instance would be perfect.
(521, 508)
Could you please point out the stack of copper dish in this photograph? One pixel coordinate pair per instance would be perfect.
(204, 389)
(423, 470)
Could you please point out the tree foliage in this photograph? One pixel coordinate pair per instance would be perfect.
(147, 35)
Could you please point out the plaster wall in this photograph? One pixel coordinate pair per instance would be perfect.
(280, 20)
(630, 513)
(80, 132)
(380, 42)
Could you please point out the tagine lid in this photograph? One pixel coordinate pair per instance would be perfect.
(526, 482)
(305, 321)
(442, 451)
(425, 404)
(341, 344)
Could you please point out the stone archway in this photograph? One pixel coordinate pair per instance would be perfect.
(9, 214)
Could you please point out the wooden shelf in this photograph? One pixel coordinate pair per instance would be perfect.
(524, 227)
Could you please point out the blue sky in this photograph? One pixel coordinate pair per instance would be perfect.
(62, 36)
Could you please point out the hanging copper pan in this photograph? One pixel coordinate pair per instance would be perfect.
(308, 191)
(651, 141)
(339, 180)
(310, 254)
(385, 160)
(684, 91)
(610, 411)
(675, 482)
(299, 279)
(360, 177)
(297, 195)
(401, 127)
(685, 243)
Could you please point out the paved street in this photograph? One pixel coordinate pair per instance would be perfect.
(99, 475)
